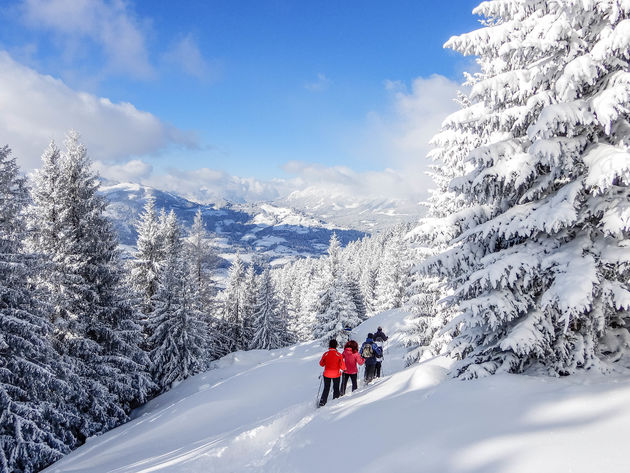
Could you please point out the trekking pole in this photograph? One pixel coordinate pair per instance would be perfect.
(318, 390)
(383, 362)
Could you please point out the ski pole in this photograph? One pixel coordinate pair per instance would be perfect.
(383, 360)
(318, 390)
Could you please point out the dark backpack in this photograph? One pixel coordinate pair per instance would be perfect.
(378, 351)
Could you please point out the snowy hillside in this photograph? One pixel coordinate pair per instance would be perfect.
(255, 413)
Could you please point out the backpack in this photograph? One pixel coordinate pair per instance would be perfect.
(378, 351)
(367, 351)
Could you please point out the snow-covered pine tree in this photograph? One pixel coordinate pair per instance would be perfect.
(201, 258)
(219, 344)
(179, 333)
(354, 289)
(145, 268)
(96, 331)
(425, 331)
(250, 302)
(307, 283)
(44, 224)
(540, 261)
(306, 318)
(393, 273)
(292, 310)
(270, 330)
(334, 309)
(285, 284)
(34, 420)
(368, 284)
(232, 299)
(429, 331)
(202, 261)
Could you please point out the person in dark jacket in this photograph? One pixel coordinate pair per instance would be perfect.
(379, 334)
(369, 351)
(379, 338)
(333, 364)
(379, 359)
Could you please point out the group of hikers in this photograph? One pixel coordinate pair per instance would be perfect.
(345, 366)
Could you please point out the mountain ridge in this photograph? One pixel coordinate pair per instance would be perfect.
(277, 234)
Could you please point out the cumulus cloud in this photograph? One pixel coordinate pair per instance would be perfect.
(186, 56)
(37, 108)
(133, 170)
(419, 111)
(109, 24)
(398, 138)
(394, 140)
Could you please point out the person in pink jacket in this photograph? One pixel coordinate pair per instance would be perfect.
(352, 359)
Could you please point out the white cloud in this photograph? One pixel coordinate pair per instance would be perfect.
(133, 170)
(186, 55)
(36, 108)
(318, 85)
(107, 23)
(398, 137)
(209, 185)
(395, 141)
(346, 183)
(420, 111)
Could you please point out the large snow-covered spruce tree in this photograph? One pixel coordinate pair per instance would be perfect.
(95, 329)
(34, 420)
(539, 265)
(179, 332)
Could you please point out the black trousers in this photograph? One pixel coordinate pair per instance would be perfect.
(335, 383)
(377, 369)
(344, 382)
(370, 371)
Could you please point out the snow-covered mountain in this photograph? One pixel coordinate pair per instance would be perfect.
(273, 232)
(367, 214)
(254, 412)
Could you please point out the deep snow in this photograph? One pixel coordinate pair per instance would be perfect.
(255, 413)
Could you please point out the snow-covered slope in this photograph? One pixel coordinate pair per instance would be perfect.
(255, 413)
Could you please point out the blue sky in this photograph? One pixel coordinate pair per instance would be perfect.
(244, 87)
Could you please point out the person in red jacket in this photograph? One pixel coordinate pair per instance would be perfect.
(333, 364)
(351, 358)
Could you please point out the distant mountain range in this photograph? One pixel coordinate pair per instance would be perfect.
(366, 214)
(265, 231)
